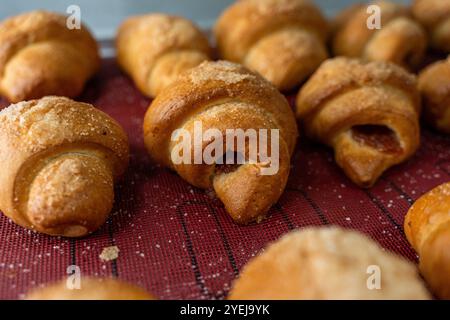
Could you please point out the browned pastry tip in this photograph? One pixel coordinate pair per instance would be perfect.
(400, 40)
(427, 227)
(224, 96)
(59, 161)
(283, 40)
(40, 56)
(327, 263)
(434, 15)
(368, 112)
(91, 289)
(155, 48)
(434, 84)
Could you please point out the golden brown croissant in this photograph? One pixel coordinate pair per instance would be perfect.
(434, 84)
(435, 16)
(40, 56)
(283, 40)
(427, 227)
(327, 263)
(59, 160)
(225, 96)
(155, 48)
(400, 40)
(91, 289)
(368, 112)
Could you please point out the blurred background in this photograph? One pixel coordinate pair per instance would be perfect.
(104, 16)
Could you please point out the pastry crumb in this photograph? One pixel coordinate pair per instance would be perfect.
(109, 253)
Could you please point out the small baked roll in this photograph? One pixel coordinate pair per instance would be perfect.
(327, 263)
(368, 112)
(91, 289)
(435, 16)
(40, 56)
(283, 40)
(400, 40)
(434, 84)
(225, 97)
(427, 227)
(59, 160)
(155, 48)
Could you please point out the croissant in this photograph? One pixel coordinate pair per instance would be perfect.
(327, 263)
(435, 16)
(224, 96)
(427, 227)
(59, 160)
(155, 48)
(434, 84)
(91, 289)
(368, 112)
(400, 40)
(40, 56)
(283, 40)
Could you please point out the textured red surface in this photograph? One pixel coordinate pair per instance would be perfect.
(179, 243)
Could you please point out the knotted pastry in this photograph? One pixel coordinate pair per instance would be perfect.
(435, 16)
(283, 40)
(155, 48)
(40, 56)
(427, 227)
(327, 263)
(224, 96)
(368, 112)
(400, 40)
(91, 289)
(59, 160)
(434, 84)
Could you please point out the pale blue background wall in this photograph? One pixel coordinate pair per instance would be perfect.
(103, 16)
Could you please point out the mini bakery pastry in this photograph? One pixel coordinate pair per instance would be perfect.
(400, 40)
(59, 161)
(435, 16)
(91, 289)
(223, 97)
(283, 40)
(368, 113)
(327, 264)
(41, 56)
(154, 48)
(427, 227)
(434, 84)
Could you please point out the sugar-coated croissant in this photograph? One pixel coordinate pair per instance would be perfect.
(41, 56)
(155, 48)
(435, 16)
(368, 112)
(325, 264)
(59, 160)
(400, 40)
(283, 40)
(427, 227)
(224, 96)
(90, 289)
(434, 84)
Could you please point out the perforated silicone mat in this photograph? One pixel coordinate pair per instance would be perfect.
(179, 243)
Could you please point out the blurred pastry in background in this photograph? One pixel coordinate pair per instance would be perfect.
(400, 40)
(434, 84)
(327, 263)
(427, 227)
(283, 40)
(155, 48)
(368, 112)
(41, 56)
(435, 16)
(90, 289)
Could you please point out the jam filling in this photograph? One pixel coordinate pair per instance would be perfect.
(378, 137)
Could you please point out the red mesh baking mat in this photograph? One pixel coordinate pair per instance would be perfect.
(179, 243)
